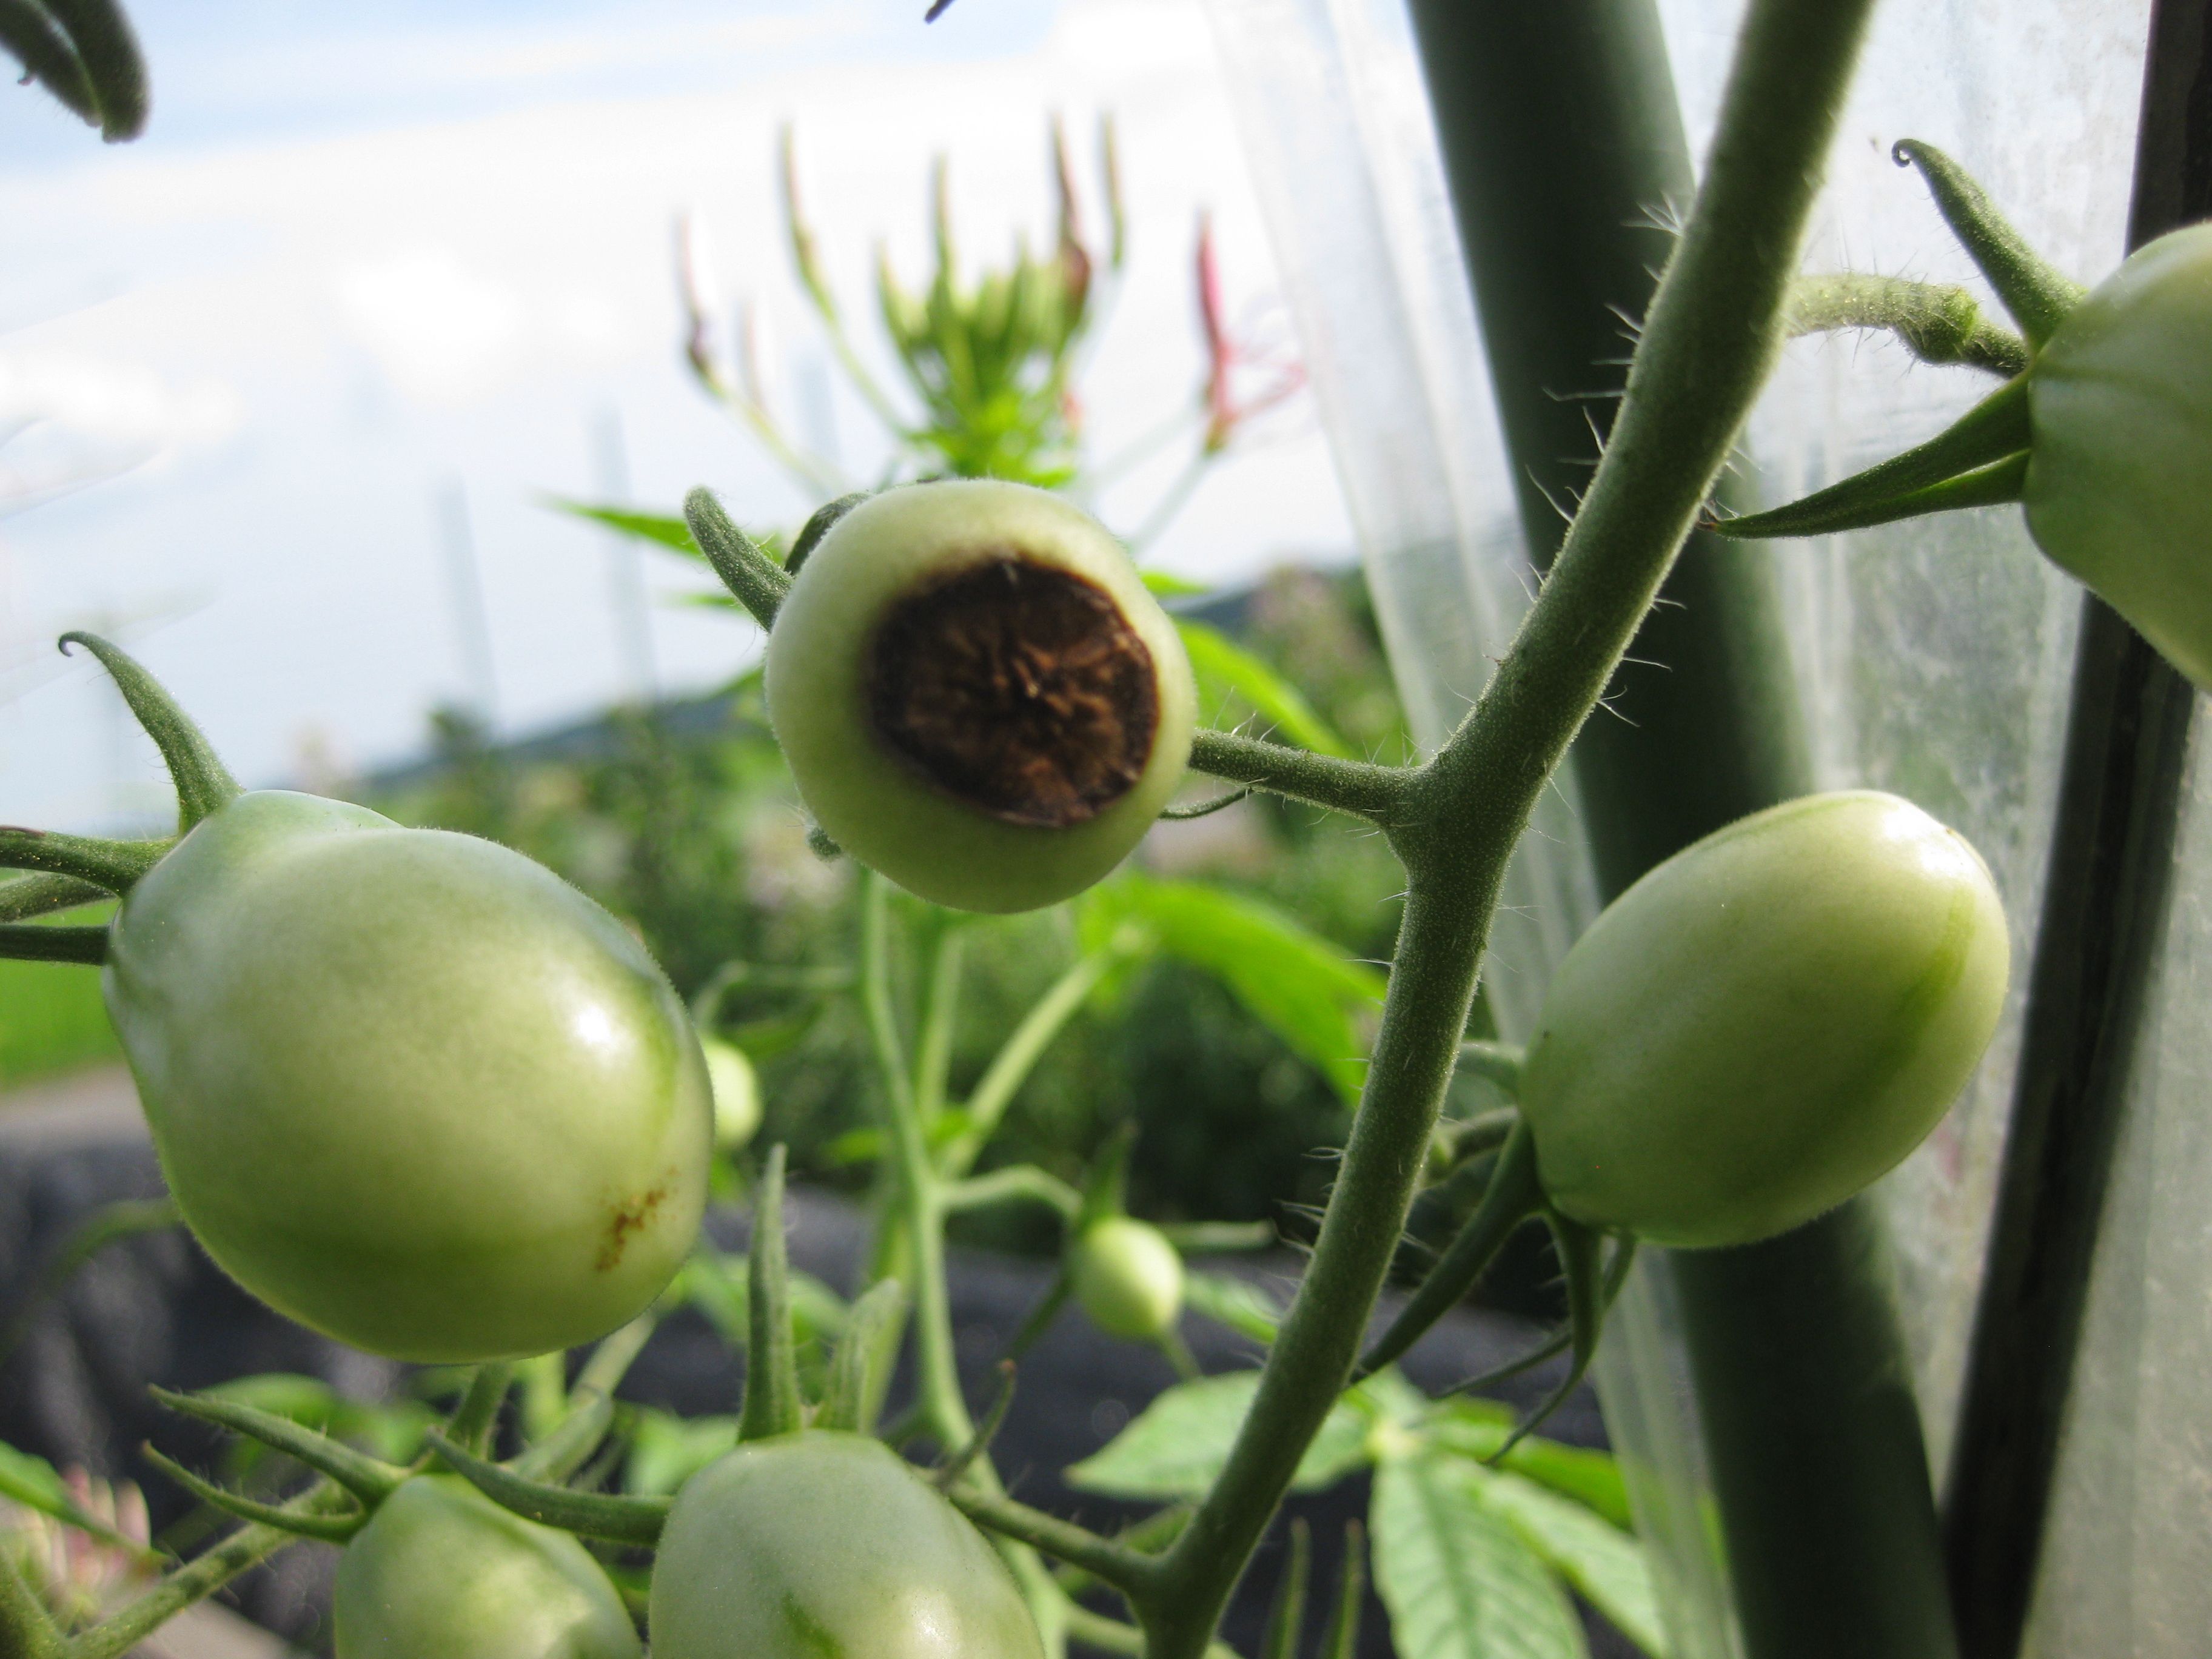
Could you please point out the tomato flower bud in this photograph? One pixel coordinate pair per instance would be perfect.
(408, 1087)
(442, 1573)
(1766, 1022)
(824, 1543)
(2120, 477)
(1128, 1279)
(977, 695)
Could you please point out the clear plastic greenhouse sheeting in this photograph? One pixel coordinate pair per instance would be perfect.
(1934, 658)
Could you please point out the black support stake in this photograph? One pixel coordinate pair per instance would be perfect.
(2104, 921)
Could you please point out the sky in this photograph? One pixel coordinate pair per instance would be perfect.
(285, 386)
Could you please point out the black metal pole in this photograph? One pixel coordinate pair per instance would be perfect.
(2103, 916)
(1564, 147)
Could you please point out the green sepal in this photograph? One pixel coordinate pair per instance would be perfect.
(1581, 1249)
(114, 866)
(29, 942)
(368, 1479)
(329, 1529)
(1978, 446)
(41, 896)
(203, 784)
(1341, 1640)
(758, 581)
(818, 526)
(1286, 1616)
(2038, 295)
(1106, 1183)
(1616, 1275)
(772, 1404)
(592, 1514)
(949, 1475)
(866, 1353)
(114, 69)
(1513, 1196)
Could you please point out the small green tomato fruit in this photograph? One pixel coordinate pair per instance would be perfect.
(736, 1093)
(1766, 1022)
(408, 1087)
(442, 1573)
(2120, 473)
(977, 694)
(1128, 1279)
(827, 1546)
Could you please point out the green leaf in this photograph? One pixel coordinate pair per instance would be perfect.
(1223, 665)
(1460, 1580)
(1162, 585)
(1178, 1443)
(1477, 1428)
(666, 529)
(1608, 1567)
(1295, 982)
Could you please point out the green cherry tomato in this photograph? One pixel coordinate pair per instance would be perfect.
(977, 694)
(1128, 1279)
(2120, 471)
(827, 1546)
(1766, 1022)
(442, 1573)
(409, 1087)
(736, 1093)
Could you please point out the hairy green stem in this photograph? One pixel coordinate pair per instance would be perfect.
(1014, 1181)
(1378, 792)
(1938, 323)
(1713, 331)
(918, 1211)
(1011, 1066)
(29, 942)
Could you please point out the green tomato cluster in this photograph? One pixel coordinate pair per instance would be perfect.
(827, 1546)
(1766, 1023)
(977, 694)
(2118, 490)
(408, 1087)
(442, 1573)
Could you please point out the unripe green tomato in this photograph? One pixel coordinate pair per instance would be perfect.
(977, 694)
(1766, 1022)
(1128, 1279)
(736, 1093)
(442, 1573)
(827, 1546)
(408, 1087)
(2120, 473)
